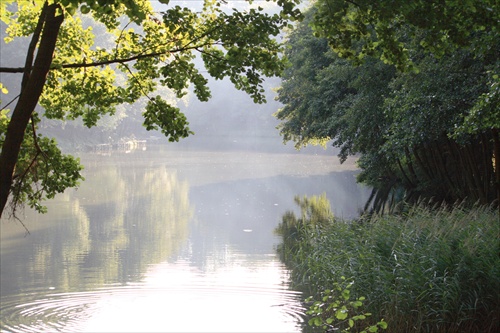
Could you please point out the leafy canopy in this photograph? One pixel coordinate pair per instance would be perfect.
(417, 131)
(398, 32)
(388, 29)
(116, 52)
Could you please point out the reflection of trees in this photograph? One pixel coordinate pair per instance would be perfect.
(159, 217)
(60, 248)
(314, 211)
(120, 221)
(105, 200)
(140, 218)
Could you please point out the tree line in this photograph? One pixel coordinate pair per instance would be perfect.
(411, 87)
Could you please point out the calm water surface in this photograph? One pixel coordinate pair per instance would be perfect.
(166, 240)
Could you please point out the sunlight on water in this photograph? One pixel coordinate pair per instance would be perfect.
(175, 298)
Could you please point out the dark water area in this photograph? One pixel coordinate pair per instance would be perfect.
(167, 240)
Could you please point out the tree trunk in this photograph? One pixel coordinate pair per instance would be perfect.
(27, 102)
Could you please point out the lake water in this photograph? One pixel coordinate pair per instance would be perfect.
(166, 240)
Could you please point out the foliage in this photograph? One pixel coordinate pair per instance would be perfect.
(324, 94)
(484, 114)
(432, 270)
(335, 311)
(424, 134)
(390, 29)
(115, 54)
(50, 175)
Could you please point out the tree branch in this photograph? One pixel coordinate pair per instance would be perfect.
(104, 62)
(353, 3)
(31, 48)
(121, 61)
(120, 37)
(11, 69)
(143, 91)
(12, 101)
(35, 139)
(15, 201)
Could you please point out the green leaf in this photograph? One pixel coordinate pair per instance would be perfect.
(85, 9)
(357, 304)
(341, 314)
(316, 321)
(160, 115)
(382, 324)
(346, 294)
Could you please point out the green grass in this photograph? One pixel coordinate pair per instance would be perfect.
(429, 270)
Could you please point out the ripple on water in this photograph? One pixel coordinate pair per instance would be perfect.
(141, 308)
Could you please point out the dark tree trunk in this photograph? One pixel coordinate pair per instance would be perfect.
(27, 102)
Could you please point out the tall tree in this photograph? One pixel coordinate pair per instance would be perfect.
(399, 31)
(405, 124)
(71, 77)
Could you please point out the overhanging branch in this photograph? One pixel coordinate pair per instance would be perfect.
(104, 62)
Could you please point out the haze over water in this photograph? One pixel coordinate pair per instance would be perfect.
(167, 239)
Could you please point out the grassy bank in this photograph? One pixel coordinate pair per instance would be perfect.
(424, 271)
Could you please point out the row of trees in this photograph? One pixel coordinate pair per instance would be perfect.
(72, 77)
(411, 86)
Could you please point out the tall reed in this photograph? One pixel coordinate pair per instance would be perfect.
(428, 270)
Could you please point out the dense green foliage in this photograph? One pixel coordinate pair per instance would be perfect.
(72, 74)
(390, 29)
(423, 271)
(421, 134)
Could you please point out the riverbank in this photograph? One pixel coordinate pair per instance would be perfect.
(424, 271)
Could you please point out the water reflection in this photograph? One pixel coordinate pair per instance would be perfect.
(166, 241)
(108, 231)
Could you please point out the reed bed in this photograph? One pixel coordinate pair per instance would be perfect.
(428, 270)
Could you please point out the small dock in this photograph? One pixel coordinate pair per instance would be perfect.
(125, 146)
